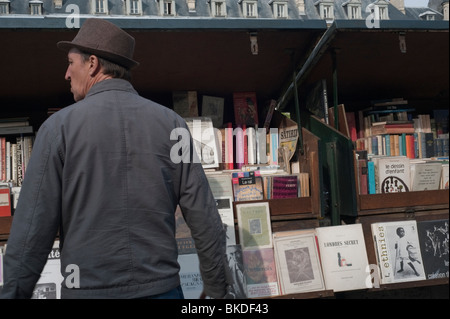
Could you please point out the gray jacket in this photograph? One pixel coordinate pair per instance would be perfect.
(101, 174)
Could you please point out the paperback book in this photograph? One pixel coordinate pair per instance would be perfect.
(261, 273)
(394, 174)
(255, 230)
(247, 186)
(298, 261)
(426, 176)
(433, 238)
(190, 277)
(398, 251)
(344, 257)
(49, 284)
(238, 280)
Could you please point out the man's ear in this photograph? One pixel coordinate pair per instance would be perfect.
(94, 65)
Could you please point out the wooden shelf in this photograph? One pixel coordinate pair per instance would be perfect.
(5, 225)
(413, 201)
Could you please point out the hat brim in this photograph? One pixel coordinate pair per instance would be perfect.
(119, 59)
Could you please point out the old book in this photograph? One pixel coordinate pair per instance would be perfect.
(261, 273)
(1, 267)
(236, 268)
(426, 176)
(445, 176)
(220, 184)
(205, 141)
(287, 134)
(297, 261)
(247, 186)
(245, 108)
(183, 235)
(317, 100)
(212, 107)
(380, 128)
(185, 103)
(225, 207)
(398, 251)
(5, 200)
(394, 174)
(284, 186)
(49, 284)
(344, 257)
(255, 229)
(190, 277)
(433, 238)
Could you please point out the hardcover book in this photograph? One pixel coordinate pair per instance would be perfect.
(247, 186)
(398, 251)
(298, 261)
(433, 238)
(344, 257)
(261, 273)
(245, 108)
(255, 230)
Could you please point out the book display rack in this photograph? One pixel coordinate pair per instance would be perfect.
(326, 149)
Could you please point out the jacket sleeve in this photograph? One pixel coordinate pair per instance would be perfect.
(36, 219)
(201, 214)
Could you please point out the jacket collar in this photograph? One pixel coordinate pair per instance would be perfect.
(111, 84)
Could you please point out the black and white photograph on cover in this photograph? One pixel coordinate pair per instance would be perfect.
(405, 251)
(299, 265)
(433, 237)
(238, 283)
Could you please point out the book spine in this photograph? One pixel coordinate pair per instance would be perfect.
(371, 184)
(239, 147)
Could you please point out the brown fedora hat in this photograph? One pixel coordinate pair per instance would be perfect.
(105, 40)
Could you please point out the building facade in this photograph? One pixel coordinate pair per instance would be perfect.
(328, 10)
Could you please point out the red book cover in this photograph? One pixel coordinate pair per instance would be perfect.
(245, 108)
(284, 186)
(5, 202)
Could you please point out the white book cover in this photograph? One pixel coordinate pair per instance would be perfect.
(49, 284)
(426, 176)
(398, 251)
(444, 177)
(220, 185)
(190, 277)
(344, 257)
(205, 140)
(298, 262)
(394, 174)
(225, 208)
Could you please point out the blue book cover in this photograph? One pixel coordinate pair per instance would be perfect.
(371, 177)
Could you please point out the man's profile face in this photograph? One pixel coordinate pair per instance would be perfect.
(78, 74)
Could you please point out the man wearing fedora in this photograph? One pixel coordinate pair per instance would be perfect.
(100, 176)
